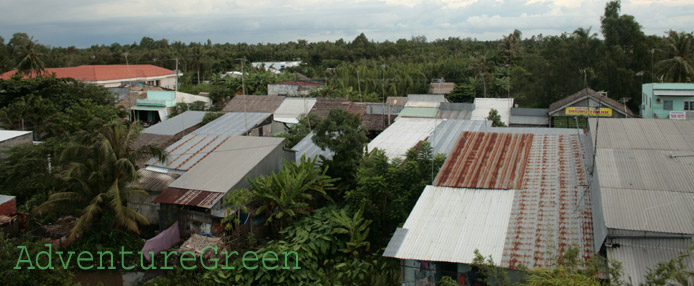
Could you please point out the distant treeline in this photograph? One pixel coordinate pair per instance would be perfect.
(536, 71)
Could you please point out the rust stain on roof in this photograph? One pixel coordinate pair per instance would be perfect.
(186, 197)
(486, 161)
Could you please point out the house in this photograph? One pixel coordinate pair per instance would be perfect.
(160, 103)
(446, 134)
(379, 115)
(254, 103)
(667, 100)
(441, 87)
(518, 195)
(293, 88)
(275, 67)
(169, 131)
(456, 111)
(484, 105)
(422, 105)
(11, 138)
(193, 147)
(529, 117)
(8, 205)
(644, 208)
(307, 148)
(291, 109)
(115, 75)
(324, 105)
(402, 135)
(195, 199)
(574, 110)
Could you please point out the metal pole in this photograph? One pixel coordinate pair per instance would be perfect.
(245, 97)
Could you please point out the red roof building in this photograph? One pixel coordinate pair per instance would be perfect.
(113, 75)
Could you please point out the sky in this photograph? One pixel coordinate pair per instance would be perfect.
(83, 23)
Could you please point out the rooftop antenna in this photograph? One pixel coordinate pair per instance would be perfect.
(245, 97)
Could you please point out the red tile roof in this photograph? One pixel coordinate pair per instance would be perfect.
(103, 72)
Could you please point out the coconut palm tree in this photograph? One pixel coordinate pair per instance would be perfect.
(679, 67)
(101, 176)
(31, 63)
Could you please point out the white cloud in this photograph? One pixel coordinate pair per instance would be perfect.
(86, 22)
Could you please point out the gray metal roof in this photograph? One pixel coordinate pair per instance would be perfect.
(232, 123)
(230, 164)
(448, 224)
(648, 210)
(309, 149)
(380, 108)
(639, 255)
(187, 152)
(176, 124)
(402, 135)
(425, 100)
(644, 168)
(292, 107)
(542, 112)
(450, 110)
(445, 136)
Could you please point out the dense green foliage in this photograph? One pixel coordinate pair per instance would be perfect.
(536, 70)
(11, 277)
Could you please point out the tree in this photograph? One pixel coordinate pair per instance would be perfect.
(298, 131)
(101, 176)
(30, 63)
(495, 118)
(287, 194)
(462, 93)
(676, 271)
(342, 133)
(679, 66)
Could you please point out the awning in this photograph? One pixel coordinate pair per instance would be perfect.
(186, 197)
(147, 108)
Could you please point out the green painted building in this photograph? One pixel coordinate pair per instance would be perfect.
(668, 100)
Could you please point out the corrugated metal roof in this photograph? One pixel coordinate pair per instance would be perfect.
(450, 110)
(293, 107)
(425, 100)
(448, 224)
(254, 103)
(586, 93)
(423, 112)
(187, 152)
(529, 116)
(644, 169)
(647, 210)
(155, 181)
(232, 123)
(325, 104)
(230, 164)
(309, 149)
(176, 124)
(402, 135)
(195, 198)
(380, 108)
(646, 134)
(446, 135)
(486, 161)
(484, 105)
(639, 256)
(441, 87)
(551, 207)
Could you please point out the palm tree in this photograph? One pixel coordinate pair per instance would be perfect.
(481, 66)
(285, 195)
(31, 63)
(101, 176)
(679, 66)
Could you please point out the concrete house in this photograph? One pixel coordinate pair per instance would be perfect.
(668, 100)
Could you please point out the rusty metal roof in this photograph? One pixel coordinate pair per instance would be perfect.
(195, 198)
(486, 161)
(552, 206)
(254, 103)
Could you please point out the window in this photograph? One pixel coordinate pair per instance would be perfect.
(667, 104)
(689, 105)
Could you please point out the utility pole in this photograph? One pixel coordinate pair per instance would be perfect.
(243, 87)
(361, 98)
(508, 74)
(652, 54)
(130, 98)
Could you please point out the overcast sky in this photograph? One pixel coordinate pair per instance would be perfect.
(85, 22)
